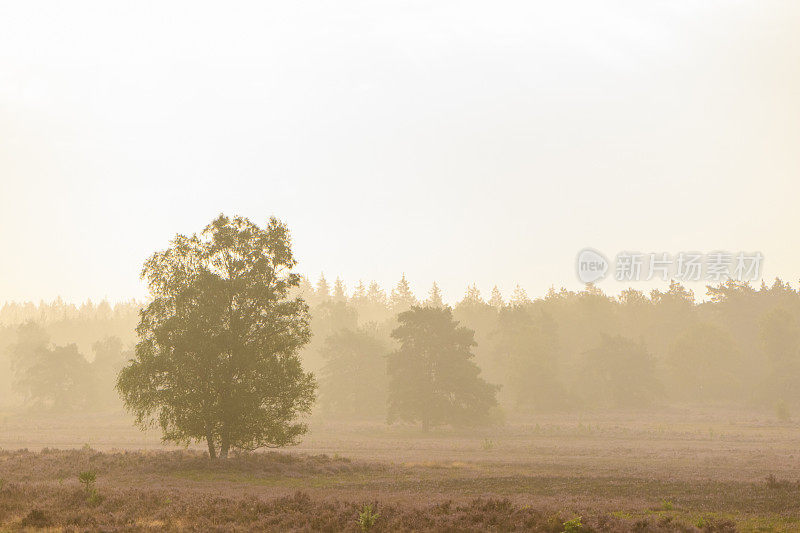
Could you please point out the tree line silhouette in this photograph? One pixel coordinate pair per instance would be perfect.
(575, 349)
(565, 350)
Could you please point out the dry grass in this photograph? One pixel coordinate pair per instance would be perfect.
(140, 491)
(674, 471)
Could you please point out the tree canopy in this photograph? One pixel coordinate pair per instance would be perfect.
(432, 378)
(52, 378)
(739, 346)
(217, 353)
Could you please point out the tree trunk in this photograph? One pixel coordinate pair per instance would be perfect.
(212, 452)
(224, 441)
(224, 448)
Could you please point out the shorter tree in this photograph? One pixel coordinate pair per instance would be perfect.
(432, 378)
(53, 378)
(353, 380)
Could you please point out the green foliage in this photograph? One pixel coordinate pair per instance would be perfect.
(217, 357)
(667, 505)
(488, 445)
(87, 479)
(432, 378)
(573, 526)
(367, 517)
(94, 497)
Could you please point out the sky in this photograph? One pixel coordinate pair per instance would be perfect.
(456, 141)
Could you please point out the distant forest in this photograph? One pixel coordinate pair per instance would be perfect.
(563, 351)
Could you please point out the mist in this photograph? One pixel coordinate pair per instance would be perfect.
(399, 266)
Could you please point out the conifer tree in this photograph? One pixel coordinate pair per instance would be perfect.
(496, 300)
(433, 379)
(402, 298)
(434, 296)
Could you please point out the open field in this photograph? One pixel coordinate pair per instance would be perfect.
(677, 470)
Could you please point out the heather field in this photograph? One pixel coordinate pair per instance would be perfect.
(679, 470)
(399, 266)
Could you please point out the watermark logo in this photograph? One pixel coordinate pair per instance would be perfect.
(684, 266)
(591, 265)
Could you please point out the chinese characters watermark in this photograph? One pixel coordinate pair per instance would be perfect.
(715, 266)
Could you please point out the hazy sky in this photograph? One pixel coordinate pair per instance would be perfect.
(455, 141)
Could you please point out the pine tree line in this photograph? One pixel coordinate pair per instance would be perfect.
(563, 350)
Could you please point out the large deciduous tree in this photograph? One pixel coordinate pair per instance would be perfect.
(217, 356)
(432, 378)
